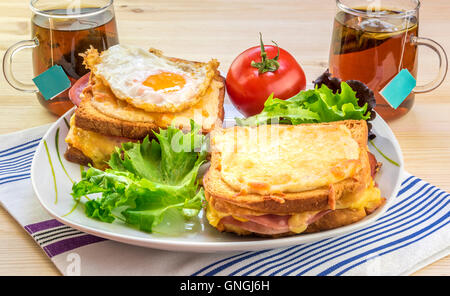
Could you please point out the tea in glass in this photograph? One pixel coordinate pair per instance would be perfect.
(373, 43)
(61, 41)
(61, 30)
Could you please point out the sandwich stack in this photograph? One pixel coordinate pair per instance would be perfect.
(277, 180)
(132, 92)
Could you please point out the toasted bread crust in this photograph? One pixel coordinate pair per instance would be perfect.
(88, 118)
(312, 200)
(337, 218)
(224, 206)
(73, 154)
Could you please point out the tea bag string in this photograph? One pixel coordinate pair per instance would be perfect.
(51, 40)
(404, 41)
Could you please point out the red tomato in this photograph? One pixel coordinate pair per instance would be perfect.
(248, 89)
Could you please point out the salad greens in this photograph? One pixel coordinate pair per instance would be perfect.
(311, 106)
(148, 182)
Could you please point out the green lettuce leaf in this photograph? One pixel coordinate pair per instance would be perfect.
(276, 111)
(148, 180)
(311, 106)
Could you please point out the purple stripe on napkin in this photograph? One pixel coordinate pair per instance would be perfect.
(64, 245)
(70, 244)
(32, 228)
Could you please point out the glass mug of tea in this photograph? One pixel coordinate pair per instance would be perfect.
(373, 40)
(60, 30)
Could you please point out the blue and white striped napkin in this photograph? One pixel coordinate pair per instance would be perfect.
(413, 233)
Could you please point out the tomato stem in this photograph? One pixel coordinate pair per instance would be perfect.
(266, 65)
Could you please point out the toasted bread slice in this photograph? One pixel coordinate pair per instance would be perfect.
(293, 202)
(100, 112)
(73, 154)
(223, 206)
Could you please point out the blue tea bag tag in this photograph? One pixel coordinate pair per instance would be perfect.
(396, 91)
(52, 82)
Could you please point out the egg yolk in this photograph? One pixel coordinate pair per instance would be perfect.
(164, 80)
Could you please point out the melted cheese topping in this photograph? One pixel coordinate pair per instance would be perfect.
(204, 112)
(93, 145)
(283, 158)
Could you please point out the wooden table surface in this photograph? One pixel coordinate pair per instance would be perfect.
(200, 30)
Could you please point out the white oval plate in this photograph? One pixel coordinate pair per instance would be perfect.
(205, 238)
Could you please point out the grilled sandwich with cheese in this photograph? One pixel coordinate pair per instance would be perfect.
(132, 92)
(276, 180)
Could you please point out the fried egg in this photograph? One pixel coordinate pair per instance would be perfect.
(150, 81)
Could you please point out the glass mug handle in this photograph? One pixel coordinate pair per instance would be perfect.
(7, 65)
(443, 64)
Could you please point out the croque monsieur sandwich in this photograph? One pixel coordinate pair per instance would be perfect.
(276, 180)
(132, 92)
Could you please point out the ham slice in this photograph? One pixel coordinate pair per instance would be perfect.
(268, 224)
(276, 226)
(77, 88)
(271, 221)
